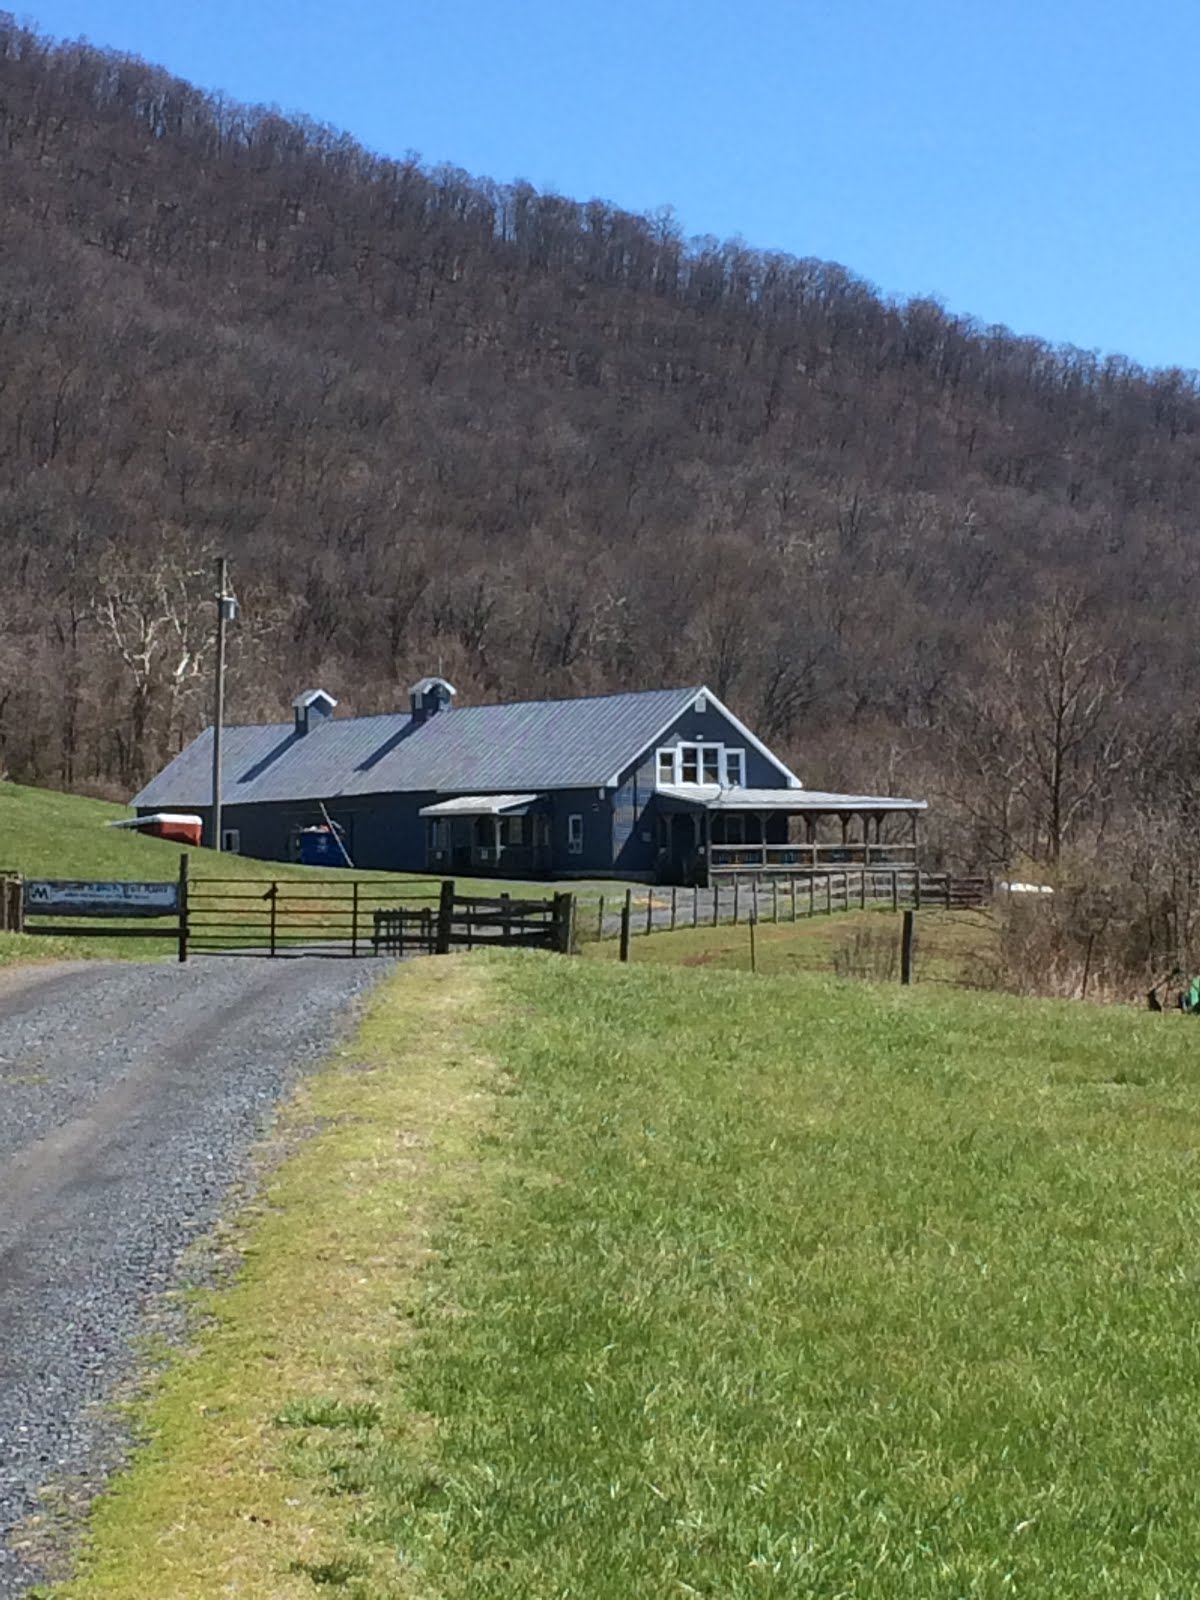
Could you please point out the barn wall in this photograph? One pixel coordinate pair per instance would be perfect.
(635, 813)
(596, 810)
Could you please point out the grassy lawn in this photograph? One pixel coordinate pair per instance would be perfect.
(952, 946)
(44, 834)
(615, 1283)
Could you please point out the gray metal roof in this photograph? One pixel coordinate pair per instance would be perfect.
(481, 805)
(794, 802)
(528, 746)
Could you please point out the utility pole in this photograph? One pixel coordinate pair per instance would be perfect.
(227, 610)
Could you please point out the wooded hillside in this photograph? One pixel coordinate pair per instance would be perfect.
(549, 447)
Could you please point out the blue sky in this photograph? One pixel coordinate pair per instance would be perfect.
(1032, 162)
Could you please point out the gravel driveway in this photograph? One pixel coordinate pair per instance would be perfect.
(129, 1098)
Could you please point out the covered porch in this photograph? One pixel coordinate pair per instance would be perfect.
(489, 835)
(706, 833)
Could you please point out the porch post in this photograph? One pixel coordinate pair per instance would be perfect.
(496, 839)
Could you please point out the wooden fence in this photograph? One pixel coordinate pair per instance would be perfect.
(782, 898)
(83, 909)
(337, 915)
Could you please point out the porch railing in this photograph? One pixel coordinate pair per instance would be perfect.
(807, 857)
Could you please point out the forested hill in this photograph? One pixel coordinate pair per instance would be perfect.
(546, 446)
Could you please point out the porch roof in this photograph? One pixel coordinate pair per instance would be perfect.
(791, 802)
(482, 805)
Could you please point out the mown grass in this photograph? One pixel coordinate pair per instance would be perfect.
(700, 1283)
(794, 1288)
(955, 947)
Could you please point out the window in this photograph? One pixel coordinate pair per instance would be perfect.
(575, 834)
(735, 769)
(231, 841)
(701, 762)
(514, 830)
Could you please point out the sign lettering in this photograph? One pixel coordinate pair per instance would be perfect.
(50, 897)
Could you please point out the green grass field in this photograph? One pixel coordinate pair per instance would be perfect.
(704, 1284)
(952, 947)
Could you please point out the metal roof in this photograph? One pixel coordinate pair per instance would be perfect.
(528, 746)
(480, 805)
(708, 797)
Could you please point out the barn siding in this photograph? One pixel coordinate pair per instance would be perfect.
(635, 813)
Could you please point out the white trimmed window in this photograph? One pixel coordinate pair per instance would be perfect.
(575, 834)
(701, 763)
(231, 841)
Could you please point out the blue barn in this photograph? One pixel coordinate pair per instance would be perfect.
(666, 785)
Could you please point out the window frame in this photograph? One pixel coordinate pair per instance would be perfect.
(730, 761)
(231, 841)
(575, 833)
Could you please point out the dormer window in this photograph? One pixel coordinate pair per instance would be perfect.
(700, 762)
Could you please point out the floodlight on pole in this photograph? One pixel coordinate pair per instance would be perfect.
(227, 612)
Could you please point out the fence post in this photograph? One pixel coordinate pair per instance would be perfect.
(674, 897)
(737, 882)
(792, 890)
(862, 897)
(907, 935)
(273, 896)
(695, 905)
(506, 917)
(354, 918)
(183, 906)
(716, 894)
(649, 910)
(774, 899)
(445, 920)
(754, 898)
(753, 955)
(829, 893)
(895, 890)
(563, 907)
(626, 913)
(600, 921)
(917, 889)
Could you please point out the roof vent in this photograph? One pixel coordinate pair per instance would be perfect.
(428, 697)
(310, 708)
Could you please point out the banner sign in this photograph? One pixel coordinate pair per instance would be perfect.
(49, 897)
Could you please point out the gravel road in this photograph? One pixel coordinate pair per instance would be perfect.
(129, 1098)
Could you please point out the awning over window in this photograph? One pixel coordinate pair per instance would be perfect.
(790, 802)
(483, 805)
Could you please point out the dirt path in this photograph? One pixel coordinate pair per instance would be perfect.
(129, 1097)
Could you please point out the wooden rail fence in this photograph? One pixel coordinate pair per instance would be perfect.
(784, 898)
(358, 917)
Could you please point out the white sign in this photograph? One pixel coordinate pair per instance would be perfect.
(49, 897)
